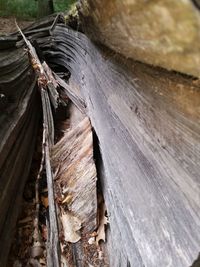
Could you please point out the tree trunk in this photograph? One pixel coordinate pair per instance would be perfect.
(160, 33)
(45, 8)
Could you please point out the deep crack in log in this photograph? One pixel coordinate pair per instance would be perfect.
(147, 123)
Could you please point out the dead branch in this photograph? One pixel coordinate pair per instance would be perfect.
(45, 79)
(45, 82)
(53, 237)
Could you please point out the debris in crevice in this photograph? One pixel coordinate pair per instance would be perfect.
(71, 199)
(30, 228)
(102, 222)
(72, 159)
(102, 216)
(75, 187)
(38, 246)
(76, 192)
(71, 225)
(99, 235)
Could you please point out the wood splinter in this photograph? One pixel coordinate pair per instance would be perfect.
(45, 82)
(38, 246)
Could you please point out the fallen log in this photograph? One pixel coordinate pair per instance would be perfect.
(82, 190)
(147, 123)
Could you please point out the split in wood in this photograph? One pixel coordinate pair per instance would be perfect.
(38, 246)
(46, 81)
(79, 142)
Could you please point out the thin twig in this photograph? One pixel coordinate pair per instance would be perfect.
(54, 23)
(37, 248)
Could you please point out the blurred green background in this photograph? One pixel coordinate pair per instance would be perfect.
(27, 9)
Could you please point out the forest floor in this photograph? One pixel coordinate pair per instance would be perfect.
(7, 25)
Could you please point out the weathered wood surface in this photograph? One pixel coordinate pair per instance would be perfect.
(76, 191)
(75, 173)
(49, 95)
(19, 115)
(162, 33)
(147, 122)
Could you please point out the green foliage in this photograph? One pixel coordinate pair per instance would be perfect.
(18, 8)
(28, 8)
(62, 5)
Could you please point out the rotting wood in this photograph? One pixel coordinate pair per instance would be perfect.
(72, 159)
(53, 248)
(76, 193)
(44, 82)
(38, 247)
(75, 98)
(19, 125)
(83, 206)
(147, 123)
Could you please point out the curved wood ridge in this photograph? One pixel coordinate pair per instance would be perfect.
(147, 122)
(19, 115)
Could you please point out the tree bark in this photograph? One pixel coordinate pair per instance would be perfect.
(45, 8)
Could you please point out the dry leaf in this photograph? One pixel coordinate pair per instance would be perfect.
(103, 220)
(91, 240)
(64, 262)
(34, 263)
(45, 202)
(100, 255)
(67, 199)
(42, 261)
(37, 250)
(44, 232)
(71, 225)
(101, 230)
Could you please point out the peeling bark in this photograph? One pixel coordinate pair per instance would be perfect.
(72, 159)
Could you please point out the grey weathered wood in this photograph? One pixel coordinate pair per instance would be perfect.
(18, 131)
(47, 86)
(53, 247)
(70, 91)
(147, 122)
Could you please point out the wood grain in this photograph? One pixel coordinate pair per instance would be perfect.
(72, 159)
(19, 114)
(147, 122)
